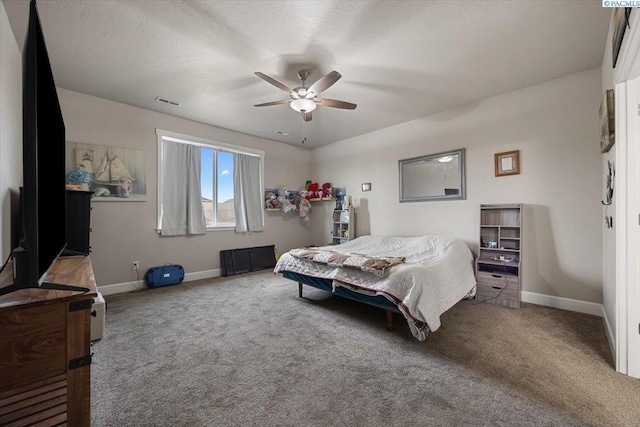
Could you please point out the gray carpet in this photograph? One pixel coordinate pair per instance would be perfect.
(246, 351)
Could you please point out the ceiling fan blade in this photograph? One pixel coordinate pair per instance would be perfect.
(334, 103)
(324, 83)
(273, 82)
(268, 104)
(307, 117)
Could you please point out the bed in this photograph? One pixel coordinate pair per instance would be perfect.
(420, 277)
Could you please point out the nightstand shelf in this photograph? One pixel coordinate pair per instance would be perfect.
(498, 266)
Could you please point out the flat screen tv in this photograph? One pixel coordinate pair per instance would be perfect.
(43, 206)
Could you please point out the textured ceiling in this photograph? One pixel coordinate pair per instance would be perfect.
(399, 60)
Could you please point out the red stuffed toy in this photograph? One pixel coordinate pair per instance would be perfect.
(326, 189)
(313, 190)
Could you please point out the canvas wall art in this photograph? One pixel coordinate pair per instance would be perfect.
(112, 173)
(620, 24)
(607, 121)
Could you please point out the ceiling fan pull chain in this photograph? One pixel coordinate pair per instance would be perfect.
(304, 129)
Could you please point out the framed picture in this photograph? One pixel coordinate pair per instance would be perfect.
(620, 23)
(507, 163)
(607, 121)
(366, 186)
(112, 173)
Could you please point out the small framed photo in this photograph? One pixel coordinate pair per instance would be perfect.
(507, 163)
(366, 186)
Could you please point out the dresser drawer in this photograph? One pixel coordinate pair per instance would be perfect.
(506, 302)
(497, 279)
(488, 291)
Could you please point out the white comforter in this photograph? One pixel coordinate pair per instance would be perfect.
(437, 273)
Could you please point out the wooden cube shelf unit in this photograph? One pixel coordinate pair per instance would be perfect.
(498, 266)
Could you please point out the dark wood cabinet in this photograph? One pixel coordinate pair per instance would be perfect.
(45, 351)
(79, 221)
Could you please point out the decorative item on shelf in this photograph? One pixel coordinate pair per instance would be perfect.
(326, 190)
(271, 201)
(607, 121)
(304, 205)
(347, 202)
(507, 163)
(283, 198)
(294, 198)
(340, 193)
(366, 186)
(80, 179)
(312, 190)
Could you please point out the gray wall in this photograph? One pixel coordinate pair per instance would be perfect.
(556, 128)
(125, 231)
(608, 234)
(10, 130)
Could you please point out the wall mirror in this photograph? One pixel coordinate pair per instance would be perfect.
(433, 177)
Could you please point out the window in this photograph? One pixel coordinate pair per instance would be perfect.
(217, 184)
(217, 188)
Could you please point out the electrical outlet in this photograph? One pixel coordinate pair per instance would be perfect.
(135, 265)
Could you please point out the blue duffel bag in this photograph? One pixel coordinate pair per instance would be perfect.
(166, 275)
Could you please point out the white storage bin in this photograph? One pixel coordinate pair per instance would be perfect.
(97, 321)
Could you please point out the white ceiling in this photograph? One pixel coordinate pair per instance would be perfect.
(399, 60)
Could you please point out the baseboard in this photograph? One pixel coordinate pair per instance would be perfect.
(610, 337)
(563, 303)
(120, 288)
(199, 275)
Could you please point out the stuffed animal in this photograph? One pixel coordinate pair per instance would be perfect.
(313, 189)
(304, 206)
(271, 201)
(285, 203)
(326, 189)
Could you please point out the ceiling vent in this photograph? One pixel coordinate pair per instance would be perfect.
(167, 101)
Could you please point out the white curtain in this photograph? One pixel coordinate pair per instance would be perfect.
(247, 193)
(182, 211)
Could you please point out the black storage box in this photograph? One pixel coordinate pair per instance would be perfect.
(238, 261)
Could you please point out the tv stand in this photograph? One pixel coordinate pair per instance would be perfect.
(45, 286)
(71, 252)
(45, 352)
(59, 287)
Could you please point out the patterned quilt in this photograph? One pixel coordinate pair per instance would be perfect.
(375, 265)
(423, 275)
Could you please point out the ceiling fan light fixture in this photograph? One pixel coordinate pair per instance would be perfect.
(303, 105)
(445, 159)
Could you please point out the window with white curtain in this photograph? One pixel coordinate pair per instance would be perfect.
(216, 185)
(228, 184)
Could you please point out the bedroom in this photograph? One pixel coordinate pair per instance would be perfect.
(550, 116)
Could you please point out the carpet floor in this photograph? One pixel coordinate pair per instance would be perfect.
(247, 351)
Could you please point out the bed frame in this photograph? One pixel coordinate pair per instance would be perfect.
(327, 285)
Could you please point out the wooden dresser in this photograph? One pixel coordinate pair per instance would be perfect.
(45, 350)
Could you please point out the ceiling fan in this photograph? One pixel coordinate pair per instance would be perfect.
(305, 99)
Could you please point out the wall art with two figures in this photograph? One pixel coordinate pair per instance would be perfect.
(112, 173)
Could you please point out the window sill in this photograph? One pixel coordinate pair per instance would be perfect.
(225, 228)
